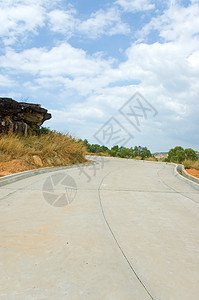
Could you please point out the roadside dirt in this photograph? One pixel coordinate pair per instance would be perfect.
(193, 172)
(11, 167)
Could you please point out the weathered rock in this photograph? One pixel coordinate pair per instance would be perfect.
(17, 116)
(37, 160)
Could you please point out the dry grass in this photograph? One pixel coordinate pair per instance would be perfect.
(151, 158)
(54, 149)
(98, 154)
(189, 164)
(138, 157)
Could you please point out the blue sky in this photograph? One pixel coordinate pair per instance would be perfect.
(83, 60)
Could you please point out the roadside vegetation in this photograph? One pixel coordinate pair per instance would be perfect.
(51, 148)
(189, 164)
(137, 152)
(187, 157)
(46, 148)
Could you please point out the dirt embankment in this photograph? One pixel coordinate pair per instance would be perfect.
(11, 167)
(52, 149)
(193, 172)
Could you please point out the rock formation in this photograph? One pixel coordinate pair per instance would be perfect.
(19, 116)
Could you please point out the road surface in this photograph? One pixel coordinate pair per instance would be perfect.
(119, 229)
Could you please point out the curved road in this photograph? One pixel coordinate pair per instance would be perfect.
(119, 229)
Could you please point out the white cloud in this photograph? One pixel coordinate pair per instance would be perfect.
(168, 80)
(44, 3)
(99, 23)
(166, 69)
(172, 3)
(5, 81)
(62, 66)
(63, 21)
(193, 59)
(135, 5)
(175, 23)
(18, 18)
(78, 113)
(104, 22)
(163, 65)
(61, 60)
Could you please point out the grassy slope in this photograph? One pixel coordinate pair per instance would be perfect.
(54, 149)
(189, 164)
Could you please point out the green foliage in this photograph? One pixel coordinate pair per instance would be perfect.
(117, 151)
(190, 154)
(39, 131)
(44, 130)
(113, 151)
(178, 154)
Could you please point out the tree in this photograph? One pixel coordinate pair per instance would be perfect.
(104, 149)
(190, 154)
(145, 153)
(124, 152)
(95, 148)
(114, 151)
(175, 154)
(178, 154)
(136, 151)
(117, 151)
(42, 130)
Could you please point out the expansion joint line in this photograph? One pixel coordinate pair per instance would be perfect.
(172, 189)
(116, 241)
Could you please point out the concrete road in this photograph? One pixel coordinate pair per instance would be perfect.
(120, 229)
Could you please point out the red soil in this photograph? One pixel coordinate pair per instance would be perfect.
(193, 172)
(11, 167)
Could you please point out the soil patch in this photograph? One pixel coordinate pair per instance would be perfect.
(11, 167)
(193, 172)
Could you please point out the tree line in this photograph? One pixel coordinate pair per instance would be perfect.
(179, 154)
(117, 151)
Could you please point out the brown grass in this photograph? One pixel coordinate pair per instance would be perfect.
(54, 149)
(98, 154)
(189, 164)
(151, 158)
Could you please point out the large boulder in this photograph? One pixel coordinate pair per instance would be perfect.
(18, 116)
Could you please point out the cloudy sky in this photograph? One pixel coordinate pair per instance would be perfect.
(84, 59)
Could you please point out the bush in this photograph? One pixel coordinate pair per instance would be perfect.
(190, 164)
(178, 154)
(190, 154)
